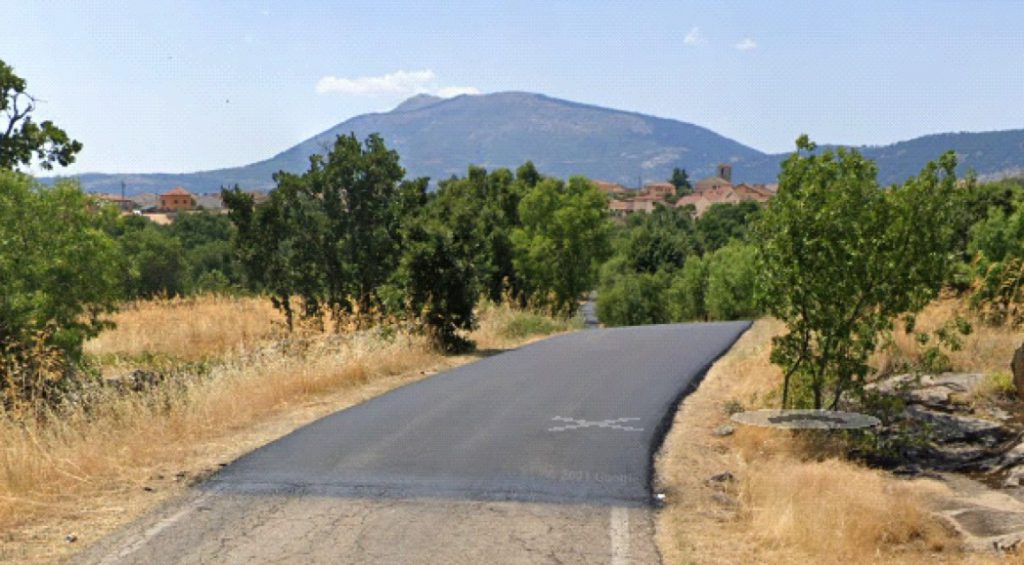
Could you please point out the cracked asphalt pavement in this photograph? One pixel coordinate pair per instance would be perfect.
(542, 454)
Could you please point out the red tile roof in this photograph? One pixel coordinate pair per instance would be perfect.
(177, 191)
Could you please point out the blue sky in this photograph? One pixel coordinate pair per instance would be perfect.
(183, 86)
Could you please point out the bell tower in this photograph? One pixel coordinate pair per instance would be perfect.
(725, 171)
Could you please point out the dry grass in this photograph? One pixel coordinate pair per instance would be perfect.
(987, 349)
(189, 329)
(789, 502)
(85, 470)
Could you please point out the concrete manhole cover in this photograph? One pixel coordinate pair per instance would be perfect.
(806, 419)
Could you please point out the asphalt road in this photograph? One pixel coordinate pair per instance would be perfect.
(571, 418)
(555, 434)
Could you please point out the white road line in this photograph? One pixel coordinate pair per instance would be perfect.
(125, 551)
(618, 530)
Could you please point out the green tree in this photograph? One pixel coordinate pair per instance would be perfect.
(59, 275)
(563, 239)
(634, 299)
(722, 223)
(661, 240)
(731, 276)
(681, 181)
(21, 138)
(490, 203)
(840, 258)
(331, 235)
(686, 295)
(156, 263)
(439, 275)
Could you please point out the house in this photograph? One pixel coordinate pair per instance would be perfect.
(660, 189)
(610, 188)
(628, 206)
(126, 205)
(756, 192)
(176, 199)
(719, 189)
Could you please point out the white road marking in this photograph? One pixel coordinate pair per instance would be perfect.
(118, 556)
(575, 424)
(618, 530)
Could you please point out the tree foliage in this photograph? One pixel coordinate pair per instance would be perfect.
(59, 271)
(841, 257)
(731, 276)
(681, 181)
(21, 138)
(562, 240)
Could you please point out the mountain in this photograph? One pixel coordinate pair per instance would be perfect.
(440, 137)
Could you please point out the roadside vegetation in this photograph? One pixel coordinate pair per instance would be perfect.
(861, 282)
(136, 358)
(185, 385)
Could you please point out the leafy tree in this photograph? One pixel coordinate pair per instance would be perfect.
(156, 263)
(438, 274)
(840, 258)
(731, 275)
(21, 138)
(59, 271)
(686, 295)
(331, 235)
(634, 299)
(722, 223)
(658, 241)
(490, 203)
(681, 181)
(563, 239)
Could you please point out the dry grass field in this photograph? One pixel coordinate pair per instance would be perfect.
(791, 501)
(236, 381)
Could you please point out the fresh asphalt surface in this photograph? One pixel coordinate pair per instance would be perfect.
(573, 418)
(538, 455)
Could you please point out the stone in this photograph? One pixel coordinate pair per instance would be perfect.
(949, 428)
(724, 430)
(723, 477)
(1017, 367)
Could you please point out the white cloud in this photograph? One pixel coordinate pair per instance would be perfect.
(694, 37)
(450, 91)
(747, 44)
(403, 83)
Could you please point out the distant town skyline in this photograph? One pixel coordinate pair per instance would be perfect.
(186, 86)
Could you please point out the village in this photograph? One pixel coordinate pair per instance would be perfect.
(164, 208)
(717, 189)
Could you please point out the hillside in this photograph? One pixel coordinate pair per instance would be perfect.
(440, 137)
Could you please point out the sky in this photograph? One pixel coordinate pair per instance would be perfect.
(192, 85)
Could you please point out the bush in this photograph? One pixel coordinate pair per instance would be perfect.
(60, 274)
(732, 273)
(686, 296)
(634, 299)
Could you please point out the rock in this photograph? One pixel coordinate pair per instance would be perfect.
(940, 391)
(1014, 478)
(724, 430)
(952, 428)
(1017, 367)
(723, 477)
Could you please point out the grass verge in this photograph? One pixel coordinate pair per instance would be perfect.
(234, 382)
(760, 496)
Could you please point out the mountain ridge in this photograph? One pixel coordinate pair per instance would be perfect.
(440, 137)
